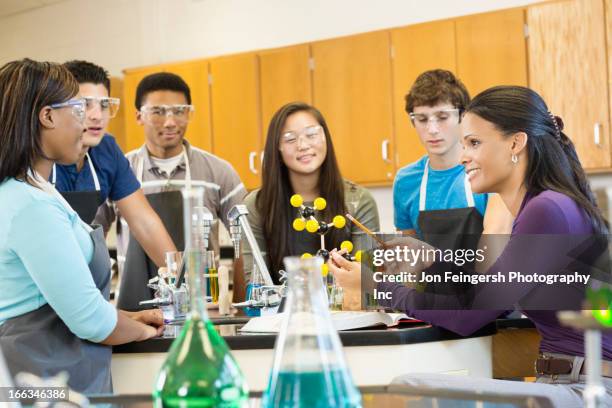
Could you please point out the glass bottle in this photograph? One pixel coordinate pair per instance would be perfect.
(199, 370)
(309, 368)
(253, 292)
(212, 278)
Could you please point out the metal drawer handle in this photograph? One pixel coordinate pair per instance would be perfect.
(597, 134)
(252, 156)
(385, 151)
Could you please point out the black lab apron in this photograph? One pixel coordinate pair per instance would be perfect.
(85, 203)
(453, 228)
(39, 341)
(138, 268)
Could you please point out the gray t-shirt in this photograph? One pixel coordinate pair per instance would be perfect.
(222, 189)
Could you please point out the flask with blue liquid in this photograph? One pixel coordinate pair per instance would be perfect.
(309, 369)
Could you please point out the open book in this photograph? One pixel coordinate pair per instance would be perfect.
(340, 320)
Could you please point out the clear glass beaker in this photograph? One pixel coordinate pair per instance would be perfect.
(199, 370)
(309, 369)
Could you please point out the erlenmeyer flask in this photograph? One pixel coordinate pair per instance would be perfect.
(309, 368)
(199, 370)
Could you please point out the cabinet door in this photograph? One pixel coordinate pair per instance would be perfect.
(416, 49)
(235, 114)
(568, 67)
(352, 88)
(491, 50)
(608, 134)
(195, 73)
(134, 133)
(116, 126)
(284, 77)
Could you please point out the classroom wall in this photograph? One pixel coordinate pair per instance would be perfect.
(120, 34)
(129, 33)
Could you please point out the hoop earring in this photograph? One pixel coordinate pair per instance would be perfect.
(514, 158)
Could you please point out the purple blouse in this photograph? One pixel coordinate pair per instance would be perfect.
(546, 213)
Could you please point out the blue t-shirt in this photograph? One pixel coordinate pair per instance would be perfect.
(117, 180)
(44, 252)
(445, 190)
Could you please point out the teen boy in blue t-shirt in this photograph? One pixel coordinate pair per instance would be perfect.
(434, 105)
(102, 165)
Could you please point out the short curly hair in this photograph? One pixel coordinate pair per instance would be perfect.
(161, 81)
(437, 86)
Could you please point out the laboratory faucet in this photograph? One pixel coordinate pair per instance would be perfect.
(269, 296)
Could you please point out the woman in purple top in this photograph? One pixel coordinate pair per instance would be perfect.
(515, 147)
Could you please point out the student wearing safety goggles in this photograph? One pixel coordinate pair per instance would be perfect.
(55, 314)
(164, 165)
(102, 171)
(432, 197)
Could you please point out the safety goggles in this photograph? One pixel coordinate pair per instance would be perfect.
(108, 106)
(158, 114)
(440, 118)
(77, 105)
(311, 133)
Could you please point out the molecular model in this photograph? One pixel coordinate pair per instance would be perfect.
(310, 223)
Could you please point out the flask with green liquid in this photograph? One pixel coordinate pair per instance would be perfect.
(309, 370)
(199, 370)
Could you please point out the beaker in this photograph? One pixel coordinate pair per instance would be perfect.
(309, 369)
(199, 370)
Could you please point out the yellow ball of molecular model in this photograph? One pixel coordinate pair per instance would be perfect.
(307, 221)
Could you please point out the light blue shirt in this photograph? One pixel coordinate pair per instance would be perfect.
(44, 255)
(445, 190)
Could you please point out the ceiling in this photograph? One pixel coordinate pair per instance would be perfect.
(11, 7)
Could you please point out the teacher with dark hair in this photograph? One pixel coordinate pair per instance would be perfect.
(514, 146)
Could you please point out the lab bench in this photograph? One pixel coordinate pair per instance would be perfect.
(374, 356)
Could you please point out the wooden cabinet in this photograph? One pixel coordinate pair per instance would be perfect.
(491, 50)
(416, 49)
(284, 76)
(483, 50)
(608, 28)
(568, 67)
(116, 126)
(195, 73)
(236, 119)
(134, 133)
(359, 83)
(352, 88)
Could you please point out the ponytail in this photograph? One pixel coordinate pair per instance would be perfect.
(553, 161)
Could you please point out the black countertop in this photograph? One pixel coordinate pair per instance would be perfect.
(405, 334)
(516, 323)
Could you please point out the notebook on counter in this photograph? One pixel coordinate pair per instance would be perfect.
(340, 320)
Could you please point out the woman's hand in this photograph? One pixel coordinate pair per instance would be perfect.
(347, 273)
(135, 326)
(151, 331)
(348, 276)
(418, 260)
(153, 320)
(152, 317)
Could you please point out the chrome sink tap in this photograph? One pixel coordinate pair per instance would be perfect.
(268, 296)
